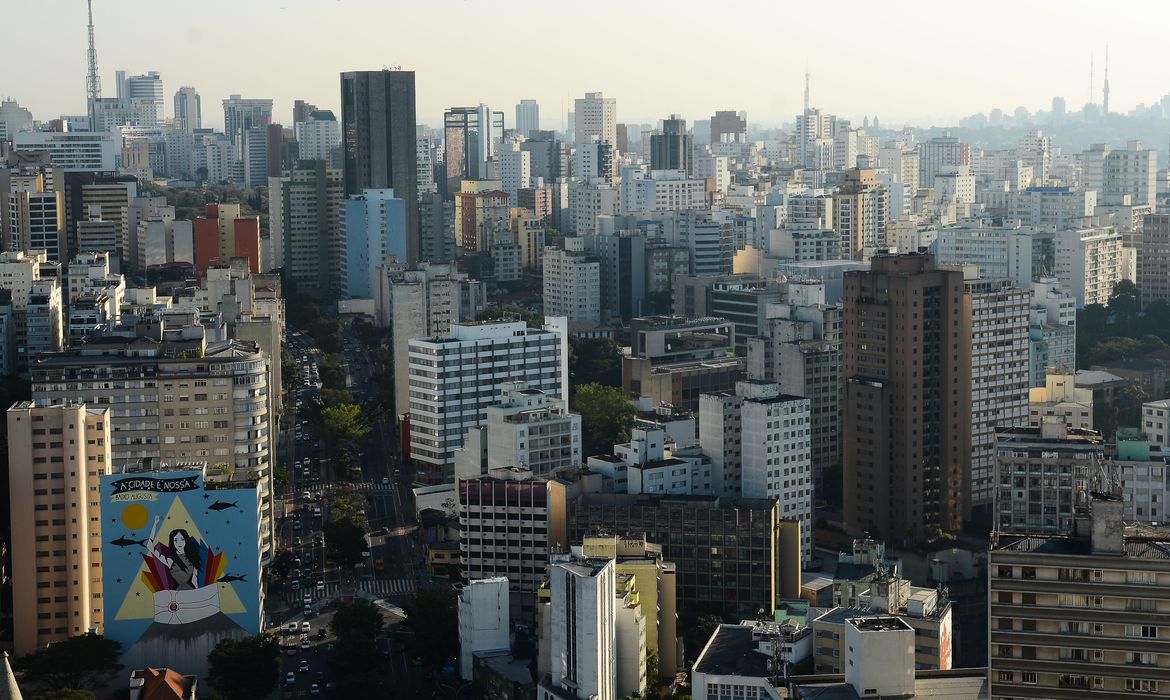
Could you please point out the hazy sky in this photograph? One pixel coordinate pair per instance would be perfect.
(915, 61)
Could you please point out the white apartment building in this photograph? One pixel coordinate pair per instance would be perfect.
(525, 428)
(453, 379)
(484, 621)
(318, 137)
(955, 184)
(1053, 329)
(937, 154)
(572, 281)
(1141, 469)
(776, 453)
(999, 373)
(1116, 175)
(1051, 208)
(44, 318)
(708, 240)
(721, 438)
(515, 170)
(1156, 422)
(595, 116)
(661, 190)
(589, 201)
(421, 303)
(90, 272)
(1088, 263)
(583, 632)
(1001, 249)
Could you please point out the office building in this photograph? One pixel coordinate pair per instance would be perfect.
(379, 140)
(485, 623)
(373, 227)
(222, 234)
(672, 148)
(1051, 208)
(524, 427)
(114, 195)
(999, 373)
(471, 138)
(57, 453)
(1078, 612)
(188, 110)
(481, 210)
(73, 151)
(454, 377)
(572, 281)
(241, 114)
(527, 117)
(582, 648)
(305, 209)
(515, 166)
(595, 118)
(1000, 248)
(646, 193)
(13, 119)
(35, 212)
(860, 214)
(906, 470)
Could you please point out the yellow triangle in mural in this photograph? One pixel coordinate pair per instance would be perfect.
(139, 601)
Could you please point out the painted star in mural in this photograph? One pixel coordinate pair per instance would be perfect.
(206, 496)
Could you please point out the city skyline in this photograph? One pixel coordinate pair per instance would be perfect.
(968, 79)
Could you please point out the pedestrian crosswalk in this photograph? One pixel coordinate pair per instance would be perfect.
(381, 587)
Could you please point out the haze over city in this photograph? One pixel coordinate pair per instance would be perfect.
(916, 62)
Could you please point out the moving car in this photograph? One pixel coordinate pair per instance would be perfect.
(290, 678)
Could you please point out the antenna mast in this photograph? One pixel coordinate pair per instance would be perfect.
(806, 100)
(93, 84)
(1105, 100)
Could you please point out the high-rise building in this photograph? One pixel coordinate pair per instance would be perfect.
(906, 358)
(471, 137)
(485, 623)
(937, 154)
(799, 348)
(572, 282)
(1102, 579)
(526, 428)
(527, 117)
(515, 171)
(35, 212)
(73, 151)
(1154, 275)
(305, 220)
(188, 110)
(727, 125)
(999, 373)
(147, 88)
(254, 154)
(671, 149)
(241, 114)
(374, 226)
(1043, 473)
(481, 209)
(13, 119)
(1001, 248)
(860, 214)
(454, 378)
(1088, 263)
(1128, 175)
(222, 234)
(595, 118)
(57, 453)
(582, 647)
(318, 137)
(378, 140)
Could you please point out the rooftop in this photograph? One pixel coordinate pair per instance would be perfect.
(955, 684)
(731, 651)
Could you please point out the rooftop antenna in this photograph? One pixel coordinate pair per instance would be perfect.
(93, 84)
(1091, 78)
(1105, 88)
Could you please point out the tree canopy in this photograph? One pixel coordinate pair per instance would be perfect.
(245, 669)
(594, 361)
(345, 540)
(85, 662)
(434, 619)
(355, 664)
(606, 417)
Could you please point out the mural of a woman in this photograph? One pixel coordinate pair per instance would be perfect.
(181, 557)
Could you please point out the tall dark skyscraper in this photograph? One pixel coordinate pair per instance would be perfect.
(671, 149)
(378, 140)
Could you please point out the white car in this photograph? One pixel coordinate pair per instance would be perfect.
(290, 678)
(306, 627)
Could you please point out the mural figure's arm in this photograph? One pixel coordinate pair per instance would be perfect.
(154, 550)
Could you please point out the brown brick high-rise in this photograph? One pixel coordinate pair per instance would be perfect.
(906, 354)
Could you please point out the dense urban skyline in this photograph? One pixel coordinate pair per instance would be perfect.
(964, 65)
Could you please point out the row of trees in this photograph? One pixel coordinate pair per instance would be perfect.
(1121, 330)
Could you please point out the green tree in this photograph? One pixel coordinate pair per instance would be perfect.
(594, 361)
(342, 425)
(282, 564)
(511, 313)
(360, 619)
(434, 619)
(606, 417)
(245, 669)
(85, 662)
(1124, 304)
(345, 540)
